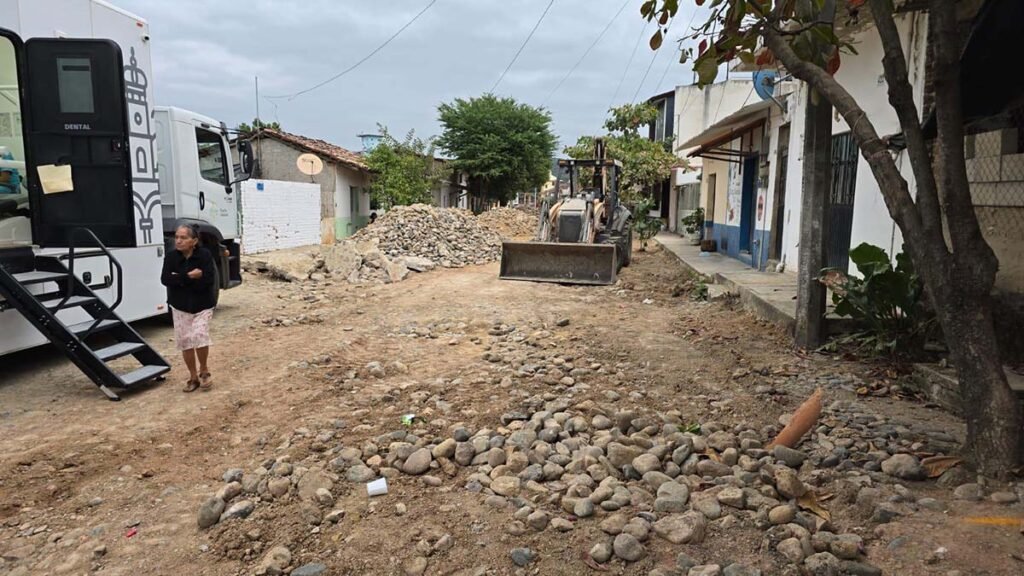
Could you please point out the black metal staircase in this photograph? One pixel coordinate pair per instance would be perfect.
(92, 344)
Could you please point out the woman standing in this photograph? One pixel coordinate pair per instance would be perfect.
(189, 275)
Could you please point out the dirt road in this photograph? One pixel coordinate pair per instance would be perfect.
(305, 371)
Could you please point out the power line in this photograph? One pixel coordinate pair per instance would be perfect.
(628, 64)
(520, 51)
(591, 47)
(669, 65)
(361, 61)
(648, 71)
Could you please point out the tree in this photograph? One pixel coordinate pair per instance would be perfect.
(939, 224)
(257, 124)
(503, 146)
(645, 162)
(403, 172)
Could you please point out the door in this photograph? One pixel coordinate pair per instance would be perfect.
(844, 184)
(216, 203)
(747, 221)
(779, 203)
(15, 203)
(77, 134)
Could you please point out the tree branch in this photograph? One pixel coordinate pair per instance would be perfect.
(892, 184)
(901, 97)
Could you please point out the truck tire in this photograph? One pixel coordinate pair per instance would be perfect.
(215, 288)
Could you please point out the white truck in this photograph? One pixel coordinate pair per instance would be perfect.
(88, 162)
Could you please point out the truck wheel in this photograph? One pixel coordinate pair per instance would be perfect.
(215, 288)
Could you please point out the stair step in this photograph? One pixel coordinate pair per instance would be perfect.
(83, 326)
(118, 350)
(72, 302)
(39, 276)
(143, 374)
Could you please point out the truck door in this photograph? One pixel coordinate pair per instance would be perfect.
(78, 138)
(216, 203)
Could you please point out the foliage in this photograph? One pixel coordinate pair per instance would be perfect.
(257, 124)
(888, 302)
(403, 172)
(503, 146)
(644, 225)
(734, 30)
(694, 223)
(645, 163)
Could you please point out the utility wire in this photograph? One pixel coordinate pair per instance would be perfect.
(628, 64)
(669, 65)
(361, 61)
(520, 51)
(583, 57)
(648, 71)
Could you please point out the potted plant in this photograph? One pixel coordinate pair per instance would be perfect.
(694, 226)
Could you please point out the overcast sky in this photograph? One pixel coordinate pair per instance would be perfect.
(207, 54)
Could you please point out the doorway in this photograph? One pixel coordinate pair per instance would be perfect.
(844, 185)
(747, 221)
(778, 217)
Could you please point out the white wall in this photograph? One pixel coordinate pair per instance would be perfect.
(862, 76)
(697, 109)
(278, 215)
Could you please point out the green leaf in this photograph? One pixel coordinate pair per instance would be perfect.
(746, 57)
(706, 68)
(869, 258)
(647, 8)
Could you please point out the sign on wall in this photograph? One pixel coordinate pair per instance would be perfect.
(735, 195)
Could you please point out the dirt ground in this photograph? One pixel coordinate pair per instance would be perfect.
(89, 486)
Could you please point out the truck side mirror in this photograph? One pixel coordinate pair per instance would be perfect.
(245, 156)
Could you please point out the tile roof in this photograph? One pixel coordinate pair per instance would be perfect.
(326, 150)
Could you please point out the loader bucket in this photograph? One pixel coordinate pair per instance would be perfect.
(564, 263)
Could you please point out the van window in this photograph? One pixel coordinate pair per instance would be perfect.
(211, 157)
(15, 226)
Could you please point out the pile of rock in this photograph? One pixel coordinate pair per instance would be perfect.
(510, 223)
(448, 236)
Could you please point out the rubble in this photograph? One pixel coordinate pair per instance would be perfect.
(510, 223)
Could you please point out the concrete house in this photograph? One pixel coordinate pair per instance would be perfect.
(344, 181)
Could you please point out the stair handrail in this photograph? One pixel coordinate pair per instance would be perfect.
(113, 264)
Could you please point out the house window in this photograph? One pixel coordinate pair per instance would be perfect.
(211, 157)
(354, 199)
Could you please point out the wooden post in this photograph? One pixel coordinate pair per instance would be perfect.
(814, 212)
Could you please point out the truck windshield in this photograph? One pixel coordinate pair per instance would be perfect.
(211, 157)
(15, 227)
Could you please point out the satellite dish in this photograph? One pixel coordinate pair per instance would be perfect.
(764, 83)
(310, 165)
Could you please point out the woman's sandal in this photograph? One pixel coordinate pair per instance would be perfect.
(191, 385)
(205, 380)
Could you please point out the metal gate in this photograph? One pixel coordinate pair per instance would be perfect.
(844, 184)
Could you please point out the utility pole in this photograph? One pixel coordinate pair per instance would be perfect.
(814, 210)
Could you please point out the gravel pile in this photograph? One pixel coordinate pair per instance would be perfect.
(509, 222)
(450, 237)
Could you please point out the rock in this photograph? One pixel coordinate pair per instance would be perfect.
(646, 463)
(780, 515)
(740, 570)
(376, 369)
(522, 556)
(705, 570)
(446, 449)
(276, 560)
(732, 496)
(464, 453)
(683, 528)
(506, 485)
(707, 505)
(278, 487)
(971, 492)
(712, 468)
(418, 462)
(790, 457)
(860, 569)
(538, 520)
(240, 509)
(884, 513)
(823, 564)
(584, 508)
(342, 259)
(360, 473)
(396, 271)
(787, 483)
(620, 455)
(210, 512)
(1003, 497)
(312, 483)
(433, 481)
(720, 441)
(614, 524)
(415, 566)
(601, 552)
(324, 497)
(233, 475)
(792, 550)
(418, 264)
(684, 562)
(628, 548)
(227, 493)
(904, 466)
(847, 546)
(335, 516)
(312, 570)
(561, 524)
(931, 504)
(672, 497)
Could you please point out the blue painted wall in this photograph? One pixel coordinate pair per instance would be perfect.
(727, 238)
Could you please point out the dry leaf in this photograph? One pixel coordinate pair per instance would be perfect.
(862, 391)
(712, 454)
(937, 465)
(809, 501)
(995, 521)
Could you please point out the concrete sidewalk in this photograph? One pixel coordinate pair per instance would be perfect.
(769, 295)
